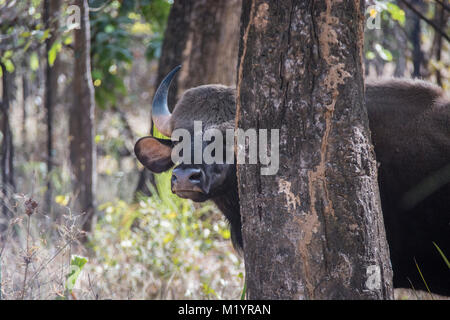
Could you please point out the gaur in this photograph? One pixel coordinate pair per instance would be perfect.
(410, 126)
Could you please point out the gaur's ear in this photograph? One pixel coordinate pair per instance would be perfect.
(154, 154)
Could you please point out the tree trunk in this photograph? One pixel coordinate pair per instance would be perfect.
(402, 45)
(51, 12)
(81, 122)
(25, 95)
(315, 229)
(415, 34)
(210, 53)
(440, 22)
(7, 186)
(202, 36)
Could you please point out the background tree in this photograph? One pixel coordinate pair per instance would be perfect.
(81, 122)
(51, 17)
(315, 229)
(210, 52)
(7, 146)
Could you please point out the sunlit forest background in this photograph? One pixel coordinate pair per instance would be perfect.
(143, 242)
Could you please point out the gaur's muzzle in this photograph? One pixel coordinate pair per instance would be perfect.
(189, 182)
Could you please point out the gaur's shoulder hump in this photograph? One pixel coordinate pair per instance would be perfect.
(411, 89)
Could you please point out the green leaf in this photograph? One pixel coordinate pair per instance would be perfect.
(396, 13)
(68, 40)
(442, 255)
(423, 279)
(27, 46)
(25, 34)
(8, 54)
(76, 266)
(370, 55)
(9, 65)
(53, 52)
(34, 61)
(384, 53)
(45, 35)
(244, 291)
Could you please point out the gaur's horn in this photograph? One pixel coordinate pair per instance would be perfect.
(160, 110)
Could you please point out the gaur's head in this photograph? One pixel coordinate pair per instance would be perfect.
(214, 106)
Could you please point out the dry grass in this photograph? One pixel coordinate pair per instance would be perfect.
(34, 261)
(146, 258)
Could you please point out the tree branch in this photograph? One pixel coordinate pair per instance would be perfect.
(421, 16)
(443, 5)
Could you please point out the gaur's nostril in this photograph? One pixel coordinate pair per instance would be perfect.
(187, 177)
(195, 177)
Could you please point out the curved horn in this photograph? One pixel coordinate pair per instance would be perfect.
(160, 110)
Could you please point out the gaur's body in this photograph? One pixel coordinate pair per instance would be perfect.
(410, 126)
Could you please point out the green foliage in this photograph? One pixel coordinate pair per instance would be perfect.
(34, 61)
(384, 53)
(9, 65)
(442, 255)
(22, 28)
(165, 237)
(76, 266)
(53, 52)
(396, 13)
(244, 290)
(390, 15)
(114, 29)
(423, 279)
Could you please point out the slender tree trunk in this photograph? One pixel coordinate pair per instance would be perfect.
(25, 95)
(315, 229)
(440, 22)
(202, 36)
(81, 122)
(402, 45)
(415, 37)
(7, 185)
(51, 12)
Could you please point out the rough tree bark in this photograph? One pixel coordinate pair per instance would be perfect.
(51, 12)
(81, 122)
(315, 229)
(7, 185)
(202, 36)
